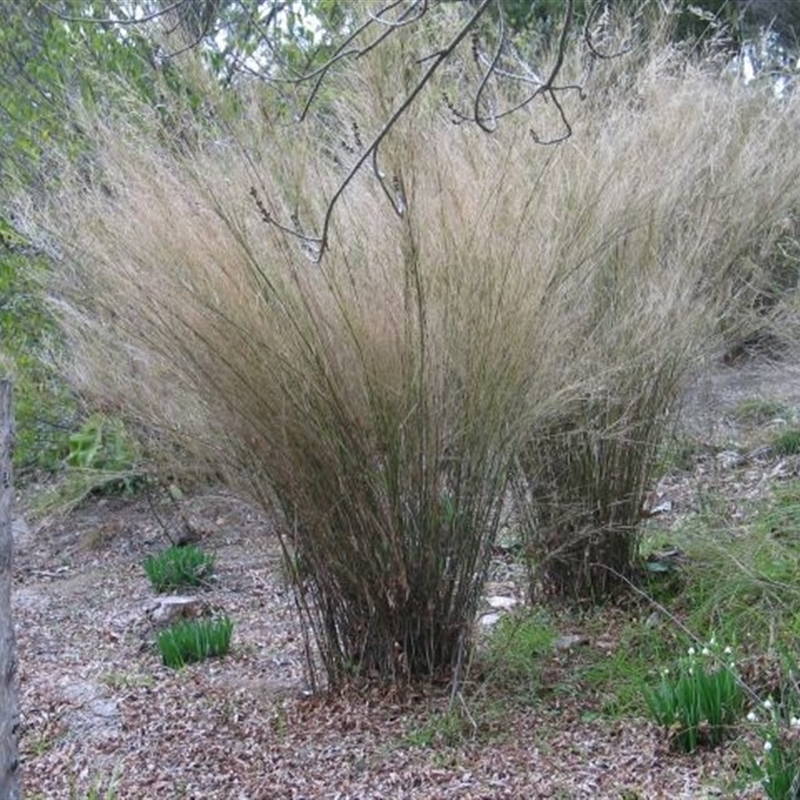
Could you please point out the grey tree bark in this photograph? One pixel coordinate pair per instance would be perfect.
(9, 703)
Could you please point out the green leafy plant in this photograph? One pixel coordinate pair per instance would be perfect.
(101, 459)
(44, 406)
(698, 703)
(176, 567)
(787, 442)
(194, 640)
(103, 447)
(776, 764)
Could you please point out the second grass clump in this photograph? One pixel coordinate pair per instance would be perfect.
(194, 640)
(177, 567)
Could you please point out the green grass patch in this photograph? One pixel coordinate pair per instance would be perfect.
(194, 640)
(759, 411)
(512, 656)
(787, 441)
(447, 728)
(740, 578)
(178, 567)
(612, 675)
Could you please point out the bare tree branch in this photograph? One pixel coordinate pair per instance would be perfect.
(321, 242)
(503, 62)
(122, 21)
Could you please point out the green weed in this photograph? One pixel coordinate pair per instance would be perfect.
(614, 678)
(125, 680)
(100, 789)
(177, 567)
(442, 729)
(194, 640)
(101, 459)
(103, 451)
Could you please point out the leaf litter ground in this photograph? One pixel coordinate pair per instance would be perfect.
(100, 711)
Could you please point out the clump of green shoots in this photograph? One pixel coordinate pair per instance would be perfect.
(177, 567)
(700, 701)
(776, 763)
(194, 640)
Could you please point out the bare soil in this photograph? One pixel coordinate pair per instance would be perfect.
(99, 710)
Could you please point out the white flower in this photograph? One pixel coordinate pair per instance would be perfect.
(768, 704)
(706, 651)
(752, 717)
(767, 746)
(794, 722)
(691, 651)
(713, 642)
(728, 651)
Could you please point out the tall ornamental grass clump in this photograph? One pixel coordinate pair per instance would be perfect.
(373, 400)
(494, 309)
(662, 197)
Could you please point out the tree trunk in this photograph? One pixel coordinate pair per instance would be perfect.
(9, 710)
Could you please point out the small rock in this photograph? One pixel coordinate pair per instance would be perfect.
(730, 459)
(501, 602)
(664, 507)
(570, 640)
(166, 610)
(654, 620)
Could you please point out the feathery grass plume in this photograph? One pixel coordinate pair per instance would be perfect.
(373, 400)
(665, 202)
(528, 305)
